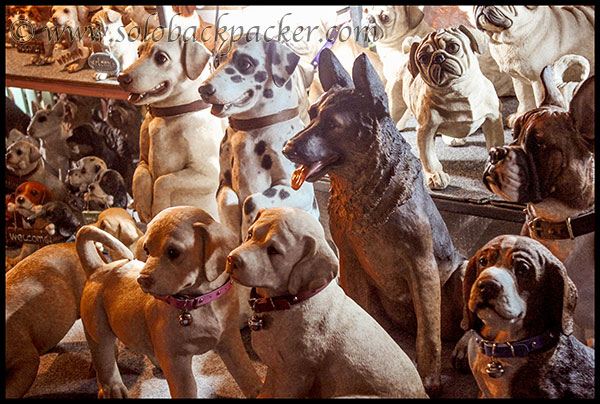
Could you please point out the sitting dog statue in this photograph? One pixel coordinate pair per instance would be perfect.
(179, 139)
(519, 301)
(550, 167)
(413, 277)
(252, 87)
(182, 291)
(311, 330)
(448, 94)
(127, 119)
(524, 39)
(107, 190)
(43, 293)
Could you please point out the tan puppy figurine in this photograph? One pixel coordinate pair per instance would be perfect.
(315, 340)
(449, 94)
(179, 138)
(525, 39)
(177, 304)
(43, 293)
(118, 223)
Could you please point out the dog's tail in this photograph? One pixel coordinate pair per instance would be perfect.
(85, 242)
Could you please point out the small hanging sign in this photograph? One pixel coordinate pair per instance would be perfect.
(104, 63)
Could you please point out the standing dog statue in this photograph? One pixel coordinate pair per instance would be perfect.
(177, 304)
(550, 167)
(448, 94)
(311, 330)
(524, 39)
(252, 87)
(179, 139)
(519, 301)
(397, 260)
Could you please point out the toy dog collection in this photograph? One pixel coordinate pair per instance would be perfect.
(183, 218)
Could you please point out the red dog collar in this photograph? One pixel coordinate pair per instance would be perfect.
(190, 303)
(262, 304)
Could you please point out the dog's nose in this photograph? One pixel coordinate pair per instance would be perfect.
(233, 262)
(8, 155)
(497, 154)
(91, 187)
(20, 199)
(207, 90)
(145, 281)
(55, 20)
(438, 58)
(489, 288)
(124, 79)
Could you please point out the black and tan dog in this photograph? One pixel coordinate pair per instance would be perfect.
(396, 255)
(519, 301)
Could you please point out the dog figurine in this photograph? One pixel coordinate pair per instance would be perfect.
(287, 261)
(78, 110)
(550, 167)
(24, 160)
(251, 86)
(71, 20)
(15, 135)
(127, 119)
(181, 291)
(86, 141)
(521, 38)
(519, 301)
(43, 293)
(118, 223)
(62, 220)
(179, 139)
(37, 18)
(378, 198)
(107, 190)
(84, 172)
(449, 94)
(113, 42)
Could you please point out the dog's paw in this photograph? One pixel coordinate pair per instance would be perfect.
(433, 386)
(116, 390)
(10, 207)
(437, 180)
(459, 357)
(454, 141)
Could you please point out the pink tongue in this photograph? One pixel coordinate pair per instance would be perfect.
(303, 172)
(216, 108)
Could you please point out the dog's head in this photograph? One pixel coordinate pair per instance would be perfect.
(85, 171)
(167, 71)
(285, 252)
(84, 141)
(500, 21)
(390, 24)
(36, 15)
(516, 285)
(121, 114)
(30, 194)
(552, 155)
(15, 135)
(78, 109)
(45, 121)
(251, 72)
(118, 223)
(111, 24)
(446, 55)
(22, 158)
(69, 16)
(187, 249)
(109, 189)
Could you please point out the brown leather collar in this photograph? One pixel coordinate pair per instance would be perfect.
(567, 229)
(261, 304)
(157, 112)
(262, 121)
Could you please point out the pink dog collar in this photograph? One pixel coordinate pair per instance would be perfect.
(189, 303)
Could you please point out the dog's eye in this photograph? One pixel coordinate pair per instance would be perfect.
(146, 249)
(42, 119)
(161, 58)
(272, 251)
(384, 18)
(249, 235)
(483, 261)
(19, 152)
(522, 268)
(66, 11)
(452, 47)
(424, 58)
(34, 192)
(83, 171)
(173, 253)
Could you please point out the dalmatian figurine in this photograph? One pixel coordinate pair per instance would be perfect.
(252, 88)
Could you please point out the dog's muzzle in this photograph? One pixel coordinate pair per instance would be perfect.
(491, 15)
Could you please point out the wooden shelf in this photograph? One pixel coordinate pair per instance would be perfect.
(20, 73)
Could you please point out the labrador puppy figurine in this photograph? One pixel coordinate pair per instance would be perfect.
(118, 223)
(449, 94)
(519, 302)
(177, 304)
(305, 328)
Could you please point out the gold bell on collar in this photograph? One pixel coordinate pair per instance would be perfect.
(185, 318)
(494, 369)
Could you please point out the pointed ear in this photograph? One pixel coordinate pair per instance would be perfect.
(281, 62)
(469, 319)
(317, 266)
(581, 110)
(112, 15)
(35, 107)
(331, 71)
(128, 232)
(82, 12)
(217, 241)
(59, 109)
(478, 40)
(413, 67)
(414, 16)
(195, 57)
(552, 96)
(368, 82)
(562, 294)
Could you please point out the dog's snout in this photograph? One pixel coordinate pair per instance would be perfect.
(489, 288)
(206, 90)
(124, 79)
(145, 281)
(497, 154)
(439, 58)
(233, 262)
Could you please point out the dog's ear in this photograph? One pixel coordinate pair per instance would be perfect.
(35, 107)
(581, 110)
(562, 294)
(469, 319)
(58, 109)
(128, 232)
(281, 62)
(82, 12)
(413, 67)
(112, 15)
(477, 39)
(414, 16)
(195, 58)
(217, 242)
(34, 154)
(260, 212)
(331, 71)
(367, 81)
(552, 96)
(317, 266)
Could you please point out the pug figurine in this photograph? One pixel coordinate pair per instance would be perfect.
(448, 94)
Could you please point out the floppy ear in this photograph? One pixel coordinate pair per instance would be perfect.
(260, 212)
(281, 62)
(478, 40)
(581, 110)
(331, 71)
(317, 266)
(414, 16)
(195, 58)
(112, 15)
(552, 96)
(367, 81)
(34, 154)
(128, 232)
(469, 319)
(217, 242)
(562, 294)
(82, 12)
(413, 67)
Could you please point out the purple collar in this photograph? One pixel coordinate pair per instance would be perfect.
(190, 303)
(517, 349)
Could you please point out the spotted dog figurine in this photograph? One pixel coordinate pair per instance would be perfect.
(252, 87)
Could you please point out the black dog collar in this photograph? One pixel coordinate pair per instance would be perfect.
(566, 229)
(518, 349)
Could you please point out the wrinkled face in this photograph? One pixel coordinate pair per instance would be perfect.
(120, 113)
(86, 169)
(384, 22)
(495, 19)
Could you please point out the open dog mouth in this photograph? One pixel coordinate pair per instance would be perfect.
(159, 90)
(221, 110)
(312, 172)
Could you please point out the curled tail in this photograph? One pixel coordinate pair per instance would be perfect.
(90, 258)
